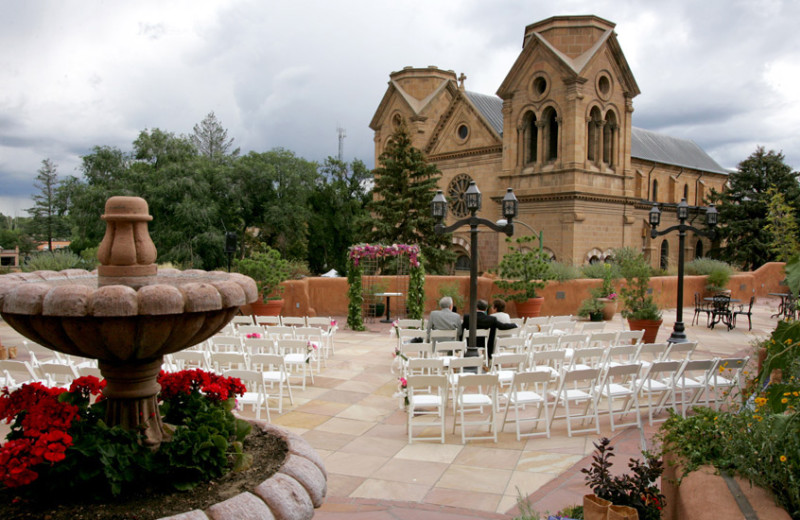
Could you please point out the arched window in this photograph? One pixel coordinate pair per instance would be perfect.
(609, 148)
(462, 263)
(593, 135)
(654, 193)
(550, 119)
(698, 250)
(664, 264)
(530, 136)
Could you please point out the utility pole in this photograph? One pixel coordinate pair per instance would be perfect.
(342, 135)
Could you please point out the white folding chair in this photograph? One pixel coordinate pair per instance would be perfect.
(90, 371)
(505, 365)
(316, 337)
(328, 326)
(406, 335)
(619, 382)
(537, 320)
(245, 330)
(680, 351)
(57, 374)
(458, 367)
(579, 387)
(14, 374)
(221, 343)
(297, 357)
(650, 352)
(587, 358)
(545, 342)
(277, 332)
(726, 377)
(223, 361)
(416, 350)
(629, 337)
(449, 350)
(293, 321)
(427, 397)
(242, 320)
(268, 321)
(188, 359)
(602, 339)
(524, 391)
(563, 327)
(592, 326)
(620, 355)
(443, 335)
(519, 322)
(658, 385)
(474, 393)
(424, 367)
(691, 382)
(272, 368)
(255, 395)
(514, 344)
(408, 323)
(259, 346)
(549, 361)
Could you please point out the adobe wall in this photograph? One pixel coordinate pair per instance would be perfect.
(328, 296)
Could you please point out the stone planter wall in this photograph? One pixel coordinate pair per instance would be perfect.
(299, 487)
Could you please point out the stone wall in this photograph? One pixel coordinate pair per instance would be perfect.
(328, 296)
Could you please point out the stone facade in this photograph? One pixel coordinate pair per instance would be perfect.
(559, 131)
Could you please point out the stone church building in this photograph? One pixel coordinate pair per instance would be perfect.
(559, 131)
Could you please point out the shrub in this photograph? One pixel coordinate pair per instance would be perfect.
(52, 261)
(718, 272)
(562, 272)
(523, 270)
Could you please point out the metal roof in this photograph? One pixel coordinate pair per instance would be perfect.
(491, 107)
(646, 145)
(661, 148)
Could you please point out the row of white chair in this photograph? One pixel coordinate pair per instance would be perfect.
(325, 322)
(679, 383)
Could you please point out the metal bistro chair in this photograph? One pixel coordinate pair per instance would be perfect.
(721, 311)
(700, 308)
(743, 312)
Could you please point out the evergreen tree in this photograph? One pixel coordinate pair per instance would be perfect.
(404, 187)
(782, 225)
(743, 207)
(210, 138)
(47, 220)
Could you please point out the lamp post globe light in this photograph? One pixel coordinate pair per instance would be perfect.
(472, 198)
(654, 217)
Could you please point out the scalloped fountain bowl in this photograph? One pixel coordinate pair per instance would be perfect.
(128, 315)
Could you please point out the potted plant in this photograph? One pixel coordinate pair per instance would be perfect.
(638, 306)
(591, 308)
(717, 280)
(522, 271)
(268, 269)
(606, 294)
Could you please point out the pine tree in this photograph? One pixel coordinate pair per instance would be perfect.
(404, 186)
(47, 220)
(210, 138)
(782, 225)
(743, 207)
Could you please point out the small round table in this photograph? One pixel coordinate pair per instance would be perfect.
(388, 296)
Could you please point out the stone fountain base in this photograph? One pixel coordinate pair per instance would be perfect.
(299, 487)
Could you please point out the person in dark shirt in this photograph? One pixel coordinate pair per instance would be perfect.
(484, 321)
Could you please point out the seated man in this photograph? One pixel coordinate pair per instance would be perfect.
(444, 318)
(484, 321)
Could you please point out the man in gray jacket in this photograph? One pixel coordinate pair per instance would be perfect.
(444, 318)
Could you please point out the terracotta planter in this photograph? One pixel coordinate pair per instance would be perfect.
(650, 328)
(609, 308)
(270, 308)
(530, 308)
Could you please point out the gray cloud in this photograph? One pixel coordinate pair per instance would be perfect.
(287, 74)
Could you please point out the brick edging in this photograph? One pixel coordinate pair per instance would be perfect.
(292, 493)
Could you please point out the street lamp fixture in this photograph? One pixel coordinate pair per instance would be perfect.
(472, 197)
(654, 217)
(230, 246)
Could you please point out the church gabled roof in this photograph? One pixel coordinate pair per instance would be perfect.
(652, 146)
(645, 144)
(490, 107)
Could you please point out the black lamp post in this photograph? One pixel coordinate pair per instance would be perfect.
(230, 246)
(472, 198)
(678, 334)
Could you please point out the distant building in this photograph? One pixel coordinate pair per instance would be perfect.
(9, 257)
(559, 132)
(57, 244)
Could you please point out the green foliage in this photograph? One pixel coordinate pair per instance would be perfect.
(339, 216)
(590, 306)
(609, 273)
(523, 270)
(718, 272)
(356, 298)
(210, 138)
(638, 490)
(416, 292)
(783, 353)
(405, 184)
(47, 214)
(53, 261)
(453, 290)
(743, 207)
(782, 224)
(268, 268)
(637, 302)
(562, 272)
(792, 269)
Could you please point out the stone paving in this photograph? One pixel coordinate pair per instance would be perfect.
(350, 417)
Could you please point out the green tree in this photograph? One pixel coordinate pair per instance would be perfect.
(47, 215)
(210, 138)
(404, 185)
(743, 207)
(782, 225)
(338, 214)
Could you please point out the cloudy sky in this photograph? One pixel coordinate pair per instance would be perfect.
(74, 75)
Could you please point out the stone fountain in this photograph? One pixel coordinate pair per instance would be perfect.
(127, 315)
